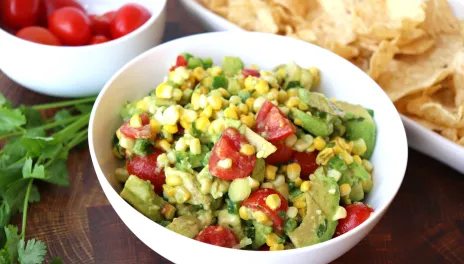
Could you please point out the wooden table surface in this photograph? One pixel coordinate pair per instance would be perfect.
(424, 224)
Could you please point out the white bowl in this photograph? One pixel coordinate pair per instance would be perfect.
(79, 71)
(339, 78)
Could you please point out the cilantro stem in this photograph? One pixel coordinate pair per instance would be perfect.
(26, 204)
(78, 139)
(65, 103)
(69, 131)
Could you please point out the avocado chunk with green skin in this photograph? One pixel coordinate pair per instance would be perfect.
(259, 170)
(361, 125)
(186, 225)
(312, 124)
(231, 221)
(261, 232)
(233, 86)
(322, 203)
(232, 65)
(355, 175)
(141, 195)
(320, 102)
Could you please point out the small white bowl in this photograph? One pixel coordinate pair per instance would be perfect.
(339, 79)
(79, 71)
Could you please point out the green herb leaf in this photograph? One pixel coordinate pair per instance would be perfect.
(36, 144)
(33, 252)
(55, 173)
(12, 241)
(57, 260)
(84, 108)
(5, 102)
(33, 117)
(322, 228)
(11, 120)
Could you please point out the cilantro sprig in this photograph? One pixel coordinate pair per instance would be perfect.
(35, 149)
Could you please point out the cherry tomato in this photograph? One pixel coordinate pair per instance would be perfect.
(98, 39)
(264, 248)
(257, 201)
(71, 26)
(283, 154)
(180, 61)
(250, 72)
(38, 35)
(272, 124)
(17, 14)
(307, 163)
(100, 25)
(137, 132)
(52, 5)
(356, 214)
(218, 236)
(128, 18)
(146, 168)
(110, 15)
(228, 147)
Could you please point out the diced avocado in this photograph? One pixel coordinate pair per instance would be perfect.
(186, 225)
(261, 232)
(142, 147)
(231, 221)
(337, 163)
(128, 110)
(232, 65)
(244, 95)
(187, 160)
(312, 124)
(121, 175)
(361, 125)
(207, 63)
(239, 189)
(263, 147)
(320, 102)
(219, 82)
(187, 56)
(259, 170)
(194, 62)
(190, 182)
(205, 218)
(141, 195)
(233, 86)
(297, 77)
(357, 192)
(355, 175)
(322, 205)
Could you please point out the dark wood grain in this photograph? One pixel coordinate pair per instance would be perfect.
(425, 223)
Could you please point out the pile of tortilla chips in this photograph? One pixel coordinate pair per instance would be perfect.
(414, 49)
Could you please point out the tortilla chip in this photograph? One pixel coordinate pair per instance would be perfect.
(458, 78)
(440, 18)
(432, 89)
(461, 132)
(401, 104)
(214, 4)
(381, 58)
(253, 15)
(450, 133)
(434, 112)
(296, 7)
(410, 36)
(417, 47)
(410, 74)
(461, 141)
(427, 124)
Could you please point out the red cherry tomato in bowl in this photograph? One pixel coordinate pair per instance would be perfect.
(137, 132)
(99, 39)
(272, 124)
(218, 236)
(38, 35)
(356, 214)
(17, 14)
(100, 25)
(307, 162)
(110, 15)
(250, 72)
(71, 26)
(146, 168)
(282, 155)
(257, 201)
(127, 19)
(52, 5)
(228, 147)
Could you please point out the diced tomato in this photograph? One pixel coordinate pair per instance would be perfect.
(228, 147)
(180, 61)
(257, 201)
(307, 163)
(146, 168)
(218, 236)
(272, 124)
(180, 129)
(264, 248)
(250, 72)
(140, 132)
(356, 214)
(283, 154)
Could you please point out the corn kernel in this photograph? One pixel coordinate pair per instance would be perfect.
(195, 146)
(243, 108)
(345, 189)
(271, 172)
(347, 157)
(230, 113)
(292, 102)
(173, 180)
(155, 126)
(267, 185)
(301, 145)
(243, 212)
(249, 102)
(207, 112)
(168, 211)
(277, 247)
(279, 181)
(357, 159)
(207, 81)
(359, 147)
(181, 145)
(248, 121)
(302, 212)
(305, 186)
(182, 194)
(249, 83)
(300, 203)
(291, 140)
(292, 212)
(247, 149)
(319, 143)
(367, 165)
(258, 103)
(302, 106)
(127, 143)
(215, 101)
(199, 73)
(272, 239)
(118, 134)
(293, 171)
(298, 122)
(142, 105)
(135, 121)
(235, 99)
(171, 129)
(224, 92)
(164, 144)
(273, 201)
(195, 101)
(169, 191)
(164, 90)
(202, 123)
(225, 163)
(298, 181)
(282, 96)
(316, 75)
(292, 92)
(262, 87)
(260, 216)
(325, 156)
(185, 124)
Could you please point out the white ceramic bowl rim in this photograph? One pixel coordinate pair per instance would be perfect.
(154, 15)
(379, 211)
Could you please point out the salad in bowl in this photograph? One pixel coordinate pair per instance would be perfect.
(246, 158)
